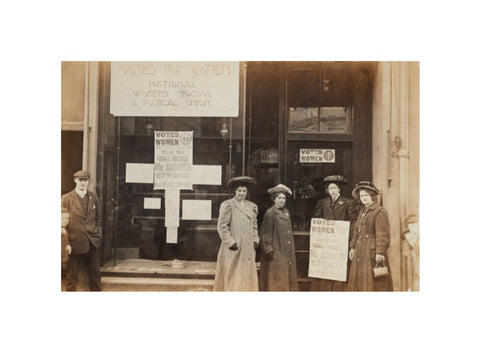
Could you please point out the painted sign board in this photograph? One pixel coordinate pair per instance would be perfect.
(175, 88)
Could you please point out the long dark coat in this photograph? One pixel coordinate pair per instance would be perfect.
(371, 236)
(236, 269)
(343, 209)
(83, 227)
(276, 235)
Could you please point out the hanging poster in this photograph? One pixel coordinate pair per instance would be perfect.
(317, 155)
(328, 249)
(175, 88)
(173, 160)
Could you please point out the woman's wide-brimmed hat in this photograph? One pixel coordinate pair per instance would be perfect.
(364, 185)
(279, 189)
(335, 179)
(240, 181)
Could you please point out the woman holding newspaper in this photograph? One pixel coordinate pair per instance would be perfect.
(334, 207)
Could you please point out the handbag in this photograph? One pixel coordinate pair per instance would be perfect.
(379, 271)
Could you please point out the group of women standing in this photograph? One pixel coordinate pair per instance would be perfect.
(240, 237)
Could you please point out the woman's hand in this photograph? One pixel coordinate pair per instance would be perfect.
(351, 253)
(379, 258)
(234, 247)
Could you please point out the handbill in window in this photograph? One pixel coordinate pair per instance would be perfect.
(173, 160)
(317, 155)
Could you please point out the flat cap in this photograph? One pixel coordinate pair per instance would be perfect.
(82, 174)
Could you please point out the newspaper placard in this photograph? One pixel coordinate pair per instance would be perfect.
(317, 155)
(328, 249)
(202, 88)
(173, 160)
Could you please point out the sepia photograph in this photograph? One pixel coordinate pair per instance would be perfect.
(240, 176)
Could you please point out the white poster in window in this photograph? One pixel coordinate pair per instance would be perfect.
(172, 208)
(172, 234)
(207, 174)
(173, 159)
(152, 203)
(195, 209)
(139, 173)
(317, 155)
(181, 88)
(328, 249)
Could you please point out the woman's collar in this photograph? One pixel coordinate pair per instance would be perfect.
(372, 205)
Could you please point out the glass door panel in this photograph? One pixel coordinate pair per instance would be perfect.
(310, 162)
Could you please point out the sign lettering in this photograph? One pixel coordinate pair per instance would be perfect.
(328, 249)
(174, 88)
(317, 155)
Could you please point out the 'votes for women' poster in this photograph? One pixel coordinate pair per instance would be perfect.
(328, 249)
(173, 160)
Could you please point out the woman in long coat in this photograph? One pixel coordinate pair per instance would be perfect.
(335, 207)
(371, 239)
(278, 270)
(237, 227)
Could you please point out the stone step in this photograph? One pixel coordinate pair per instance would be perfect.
(160, 269)
(155, 275)
(112, 283)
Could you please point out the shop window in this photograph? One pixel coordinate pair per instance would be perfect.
(328, 119)
(303, 120)
(216, 141)
(335, 119)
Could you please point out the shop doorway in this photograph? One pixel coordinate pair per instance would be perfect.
(306, 175)
(72, 151)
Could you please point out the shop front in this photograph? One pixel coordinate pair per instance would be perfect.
(170, 135)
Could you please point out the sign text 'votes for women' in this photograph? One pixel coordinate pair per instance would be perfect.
(328, 249)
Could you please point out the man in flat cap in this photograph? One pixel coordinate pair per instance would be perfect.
(84, 231)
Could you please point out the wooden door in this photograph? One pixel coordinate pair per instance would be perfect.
(305, 177)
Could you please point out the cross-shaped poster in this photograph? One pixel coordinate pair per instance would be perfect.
(172, 171)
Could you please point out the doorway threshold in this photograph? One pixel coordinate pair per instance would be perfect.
(160, 268)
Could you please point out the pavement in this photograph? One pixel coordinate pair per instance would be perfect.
(151, 275)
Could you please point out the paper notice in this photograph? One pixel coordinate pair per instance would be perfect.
(139, 173)
(317, 155)
(172, 234)
(172, 207)
(152, 203)
(207, 174)
(173, 159)
(328, 249)
(193, 209)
